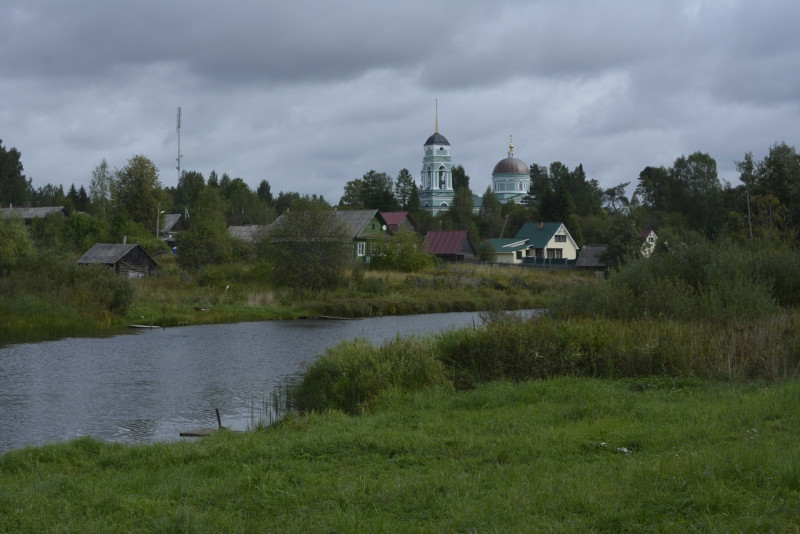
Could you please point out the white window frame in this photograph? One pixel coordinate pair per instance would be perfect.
(361, 248)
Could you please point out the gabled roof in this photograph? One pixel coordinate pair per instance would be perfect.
(246, 233)
(109, 253)
(31, 213)
(395, 218)
(590, 256)
(170, 220)
(646, 233)
(357, 220)
(508, 244)
(447, 242)
(540, 237)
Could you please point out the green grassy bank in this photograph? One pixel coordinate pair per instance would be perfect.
(565, 455)
(61, 299)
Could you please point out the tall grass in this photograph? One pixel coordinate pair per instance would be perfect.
(355, 372)
(54, 297)
(510, 347)
(698, 310)
(692, 282)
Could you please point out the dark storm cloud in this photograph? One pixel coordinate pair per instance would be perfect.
(279, 42)
(310, 94)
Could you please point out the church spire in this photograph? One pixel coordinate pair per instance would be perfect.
(510, 145)
(436, 129)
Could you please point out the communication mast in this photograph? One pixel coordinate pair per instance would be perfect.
(178, 129)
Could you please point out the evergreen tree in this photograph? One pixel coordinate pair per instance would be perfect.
(14, 188)
(264, 192)
(403, 189)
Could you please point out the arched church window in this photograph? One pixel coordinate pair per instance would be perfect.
(442, 184)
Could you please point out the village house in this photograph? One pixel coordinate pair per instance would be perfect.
(539, 243)
(29, 214)
(126, 259)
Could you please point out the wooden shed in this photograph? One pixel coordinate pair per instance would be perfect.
(129, 259)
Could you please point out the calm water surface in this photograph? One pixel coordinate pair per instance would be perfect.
(153, 384)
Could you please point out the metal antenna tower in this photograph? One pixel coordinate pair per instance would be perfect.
(178, 129)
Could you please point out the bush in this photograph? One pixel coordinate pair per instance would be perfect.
(350, 375)
(697, 281)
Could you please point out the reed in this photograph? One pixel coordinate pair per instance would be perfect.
(511, 347)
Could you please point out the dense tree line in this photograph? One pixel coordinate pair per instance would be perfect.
(684, 200)
(680, 202)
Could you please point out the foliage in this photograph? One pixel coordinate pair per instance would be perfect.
(459, 216)
(514, 347)
(692, 281)
(615, 198)
(307, 247)
(207, 240)
(187, 193)
(490, 215)
(405, 189)
(14, 188)
(48, 195)
(54, 296)
(353, 373)
(460, 177)
(15, 244)
(101, 191)
(623, 242)
(264, 192)
(486, 252)
(402, 252)
(76, 233)
(375, 190)
(139, 191)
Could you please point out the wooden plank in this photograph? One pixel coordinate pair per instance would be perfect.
(198, 433)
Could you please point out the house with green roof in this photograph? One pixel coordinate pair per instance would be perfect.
(548, 241)
(541, 242)
(509, 249)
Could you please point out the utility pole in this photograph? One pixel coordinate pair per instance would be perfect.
(178, 129)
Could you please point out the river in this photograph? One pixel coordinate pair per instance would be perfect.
(151, 385)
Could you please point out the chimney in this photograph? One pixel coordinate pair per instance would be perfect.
(541, 224)
(124, 239)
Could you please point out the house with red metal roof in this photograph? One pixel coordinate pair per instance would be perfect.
(450, 245)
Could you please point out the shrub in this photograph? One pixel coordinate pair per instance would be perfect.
(350, 375)
(696, 281)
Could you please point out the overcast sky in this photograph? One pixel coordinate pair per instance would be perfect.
(311, 94)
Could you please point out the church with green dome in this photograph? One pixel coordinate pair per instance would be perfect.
(436, 191)
(511, 178)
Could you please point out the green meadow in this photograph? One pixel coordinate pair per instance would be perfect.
(566, 454)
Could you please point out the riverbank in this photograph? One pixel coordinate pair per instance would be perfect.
(565, 454)
(235, 293)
